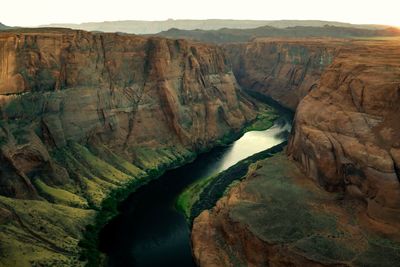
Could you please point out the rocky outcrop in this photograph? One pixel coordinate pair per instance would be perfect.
(283, 69)
(346, 133)
(339, 205)
(279, 217)
(82, 114)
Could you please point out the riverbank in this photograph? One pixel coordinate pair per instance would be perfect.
(203, 194)
(109, 207)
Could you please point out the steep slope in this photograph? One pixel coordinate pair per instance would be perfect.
(284, 69)
(352, 143)
(83, 114)
(336, 201)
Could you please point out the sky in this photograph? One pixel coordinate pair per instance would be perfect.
(38, 12)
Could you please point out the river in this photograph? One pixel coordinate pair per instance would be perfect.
(149, 231)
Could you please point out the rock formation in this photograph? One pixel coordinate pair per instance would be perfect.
(345, 139)
(84, 113)
(122, 91)
(278, 217)
(284, 69)
(346, 129)
(352, 143)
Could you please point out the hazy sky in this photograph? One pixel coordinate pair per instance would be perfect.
(36, 12)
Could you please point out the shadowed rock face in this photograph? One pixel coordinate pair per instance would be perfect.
(285, 70)
(82, 114)
(347, 131)
(345, 139)
(123, 91)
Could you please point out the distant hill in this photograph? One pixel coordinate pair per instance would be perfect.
(4, 27)
(151, 27)
(242, 35)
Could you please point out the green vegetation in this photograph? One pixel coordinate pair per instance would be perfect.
(99, 180)
(265, 119)
(48, 234)
(154, 163)
(191, 202)
(108, 210)
(116, 161)
(191, 195)
(61, 196)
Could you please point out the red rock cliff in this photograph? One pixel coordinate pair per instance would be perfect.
(336, 200)
(284, 69)
(347, 131)
(84, 113)
(119, 90)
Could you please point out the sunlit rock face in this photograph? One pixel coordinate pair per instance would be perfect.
(346, 133)
(120, 90)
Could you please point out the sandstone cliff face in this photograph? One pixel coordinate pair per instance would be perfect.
(285, 69)
(278, 217)
(345, 139)
(122, 91)
(346, 132)
(83, 113)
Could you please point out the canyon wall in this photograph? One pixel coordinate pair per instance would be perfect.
(84, 113)
(283, 69)
(336, 200)
(346, 133)
(346, 129)
(122, 91)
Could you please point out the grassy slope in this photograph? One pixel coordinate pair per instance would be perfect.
(61, 196)
(41, 232)
(99, 180)
(48, 232)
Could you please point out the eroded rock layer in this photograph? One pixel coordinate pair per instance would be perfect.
(339, 205)
(278, 217)
(82, 114)
(284, 69)
(122, 91)
(346, 133)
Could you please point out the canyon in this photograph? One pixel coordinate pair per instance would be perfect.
(83, 114)
(344, 142)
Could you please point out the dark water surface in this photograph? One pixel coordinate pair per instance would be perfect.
(149, 230)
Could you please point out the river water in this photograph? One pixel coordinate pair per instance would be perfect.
(149, 231)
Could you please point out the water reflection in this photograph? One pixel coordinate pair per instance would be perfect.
(254, 142)
(149, 231)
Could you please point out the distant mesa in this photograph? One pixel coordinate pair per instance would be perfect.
(230, 35)
(152, 27)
